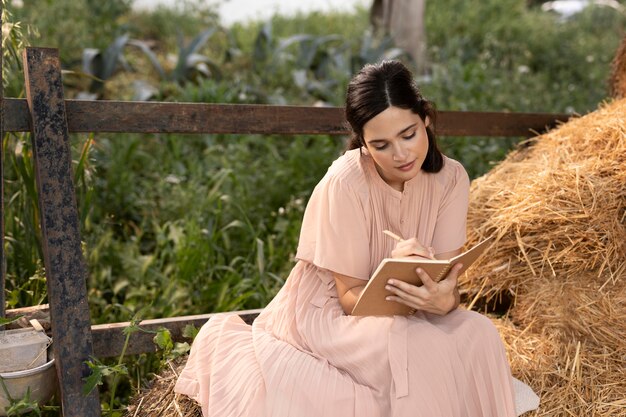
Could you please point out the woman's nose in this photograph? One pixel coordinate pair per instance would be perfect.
(399, 153)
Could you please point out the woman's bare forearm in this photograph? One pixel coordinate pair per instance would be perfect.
(349, 298)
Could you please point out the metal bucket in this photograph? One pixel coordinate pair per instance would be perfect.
(41, 380)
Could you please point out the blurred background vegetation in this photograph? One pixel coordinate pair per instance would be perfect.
(175, 224)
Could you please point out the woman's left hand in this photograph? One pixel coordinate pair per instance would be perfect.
(433, 297)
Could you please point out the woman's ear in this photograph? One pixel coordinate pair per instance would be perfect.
(427, 122)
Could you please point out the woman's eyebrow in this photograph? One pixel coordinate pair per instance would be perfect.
(406, 128)
(373, 141)
(398, 134)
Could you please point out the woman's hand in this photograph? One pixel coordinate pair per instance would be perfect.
(433, 297)
(412, 248)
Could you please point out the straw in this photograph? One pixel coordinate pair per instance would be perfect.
(159, 399)
(557, 209)
(570, 378)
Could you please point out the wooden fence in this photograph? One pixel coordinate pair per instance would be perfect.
(50, 119)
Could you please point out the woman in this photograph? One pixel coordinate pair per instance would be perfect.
(305, 355)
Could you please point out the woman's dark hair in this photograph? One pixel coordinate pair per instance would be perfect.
(380, 86)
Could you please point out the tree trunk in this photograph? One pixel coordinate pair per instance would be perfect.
(617, 81)
(404, 21)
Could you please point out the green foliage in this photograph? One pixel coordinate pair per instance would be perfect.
(72, 24)
(169, 349)
(500, 55)
(190, 331)
(25, 406)
(163, 25)
(15, 37)
(23, 231)
(101, 371)
(25, 279)
(109, 373)
(19, 406)
(98, 372)
(102, 65)
(313, 66)
(179, 224)
(5, 321)
(189, 61)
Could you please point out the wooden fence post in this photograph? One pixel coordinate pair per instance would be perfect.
(66, 271)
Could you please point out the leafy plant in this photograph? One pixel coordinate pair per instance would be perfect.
(102, 65)
(4, 321)
(23, 232)
(170, 350)
(26, 283)
(320, 64)
(19, 406)
(72, 24)
(188, 62)
(15, 37)
(99, 370)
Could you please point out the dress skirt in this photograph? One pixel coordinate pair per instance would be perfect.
(304, 357)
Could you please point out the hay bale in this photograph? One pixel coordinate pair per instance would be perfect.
(570, 378)
(574, 310)
(557, 209)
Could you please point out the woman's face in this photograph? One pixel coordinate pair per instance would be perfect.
(397, 140)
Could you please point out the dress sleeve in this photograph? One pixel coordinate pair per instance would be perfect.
(334, 234)
(450, 232)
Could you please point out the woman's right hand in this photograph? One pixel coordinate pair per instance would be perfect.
(410, 248)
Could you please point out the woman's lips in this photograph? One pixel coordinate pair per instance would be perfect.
(406, 167)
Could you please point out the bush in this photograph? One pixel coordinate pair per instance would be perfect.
(72, 25)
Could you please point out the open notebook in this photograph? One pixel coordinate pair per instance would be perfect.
(372, 301)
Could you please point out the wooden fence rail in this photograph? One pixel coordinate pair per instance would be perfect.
(50, 118)
(162, 117)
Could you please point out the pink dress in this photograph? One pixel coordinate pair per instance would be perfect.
(304, 357)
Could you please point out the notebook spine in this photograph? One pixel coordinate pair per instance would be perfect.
(443, 273)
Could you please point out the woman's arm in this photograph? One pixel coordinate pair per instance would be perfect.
(348, 289)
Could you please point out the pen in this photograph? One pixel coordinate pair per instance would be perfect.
(393, 235)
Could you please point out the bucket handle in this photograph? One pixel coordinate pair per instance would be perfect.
(37, 326)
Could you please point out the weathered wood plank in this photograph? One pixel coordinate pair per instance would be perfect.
(41, 313)
(459, 123)
(154, 117)
(66, 271)
(108, 339)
